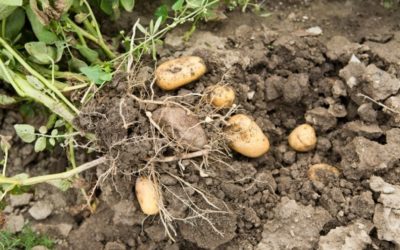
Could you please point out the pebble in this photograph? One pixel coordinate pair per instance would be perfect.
(14, 223)
(20, 200)
(41, 210)
(315, 31)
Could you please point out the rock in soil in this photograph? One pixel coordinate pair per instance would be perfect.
(387, 211)
(20, 200)
(353, 236)
(14, 223)
(294, 226)
(379, 84)
(183, 127)
(41, 210)
(340, 48)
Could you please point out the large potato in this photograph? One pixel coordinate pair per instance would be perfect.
(221, 96)
(175, 73)
(184, 128)
(303, 138)
(147, 195)
(246, 137)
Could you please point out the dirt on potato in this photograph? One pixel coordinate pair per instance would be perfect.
(343, 82)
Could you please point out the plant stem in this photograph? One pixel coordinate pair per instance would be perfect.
(37, 75)
(51, 177)
(89, 36)
(61, 74)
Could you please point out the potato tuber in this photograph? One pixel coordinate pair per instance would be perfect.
(221, 96)
(147, 195)
(303, 138)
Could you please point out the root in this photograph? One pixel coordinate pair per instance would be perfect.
(379, 103)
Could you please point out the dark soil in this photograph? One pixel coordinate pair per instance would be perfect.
(283, 76)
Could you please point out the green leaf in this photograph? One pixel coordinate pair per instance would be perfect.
(54, 132)
(52, 141)
(75, 64)
(194, 4)
(15, 23)
(37, 84)
(5, 10)
(43, 130)
(41, 53)
(6, 100)
(109, 6)
(96, 74)
(128, 4)
(40, 144)
(61, 184)
(12, 2)
(59, 123)
(41, 32)
(89, 54)
(5, 143)
(177, 6)
(162, 12)
(26, 132)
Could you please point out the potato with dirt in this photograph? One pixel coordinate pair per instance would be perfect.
(246, 137)
(181, 126)
(147, 195)
(303, 138)
(220, 96)
(178, 72)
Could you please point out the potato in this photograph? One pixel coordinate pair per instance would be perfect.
(303, 138)
(321, 172)
(147, 195)
(246, 137)
(221, 96)
(184, 128)
(178, 72)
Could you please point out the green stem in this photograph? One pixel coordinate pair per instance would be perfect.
(37, 75)
(3, 27)
(51, 177)
(61, 74)
(89, 27)
(5, 162)
(92, 38)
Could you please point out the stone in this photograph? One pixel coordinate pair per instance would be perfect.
(363, 205)
(294, 226)
(339, 48)
(20, 200)
(14, 223)
(353, 236)
(387, 211)
(370, 131)
(367, 112)
(379, 84)
(321, 118)
(41, 210)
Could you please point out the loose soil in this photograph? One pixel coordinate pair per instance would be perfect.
(283, 76)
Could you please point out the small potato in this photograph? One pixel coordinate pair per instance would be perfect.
(246, 137)
(175, 73)
(322, 172)
(221, 96)
(303, 138)
(147, 195)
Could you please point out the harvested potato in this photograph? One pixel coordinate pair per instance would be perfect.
(147, 195)
(322, 172)
(221, 96)
(246, 137)
(303, 138)
(184, 128)
(175, 73)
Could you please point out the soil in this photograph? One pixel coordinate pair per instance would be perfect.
(343, 82)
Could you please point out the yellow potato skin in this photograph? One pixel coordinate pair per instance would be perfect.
(314, 169)
(246, 137)
(147, 195)
(178, 72)
(303, 138)
(221, 96)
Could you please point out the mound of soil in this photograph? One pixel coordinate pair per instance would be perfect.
(347, 90)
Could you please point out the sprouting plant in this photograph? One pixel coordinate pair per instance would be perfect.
(27, 239)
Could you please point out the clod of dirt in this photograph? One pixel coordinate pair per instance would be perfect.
(183, 127)
(352, 73)
(114, 246)
(293, 226)
(204, 236)
(363, 205)
(386, 217)
(41, 210)
(388, 51)
(353, 236)
(295, 88)
(39, 248)
(14, 223)
(368, 113)
(394, 104)
(321, 118)
(156, 233)
(379, 84)
(322, 172)
(20, 200)
(341, 49)
(370, 131)
(124, 213)
(362, 157)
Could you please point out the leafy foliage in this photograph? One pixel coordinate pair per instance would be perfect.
(27, 239)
